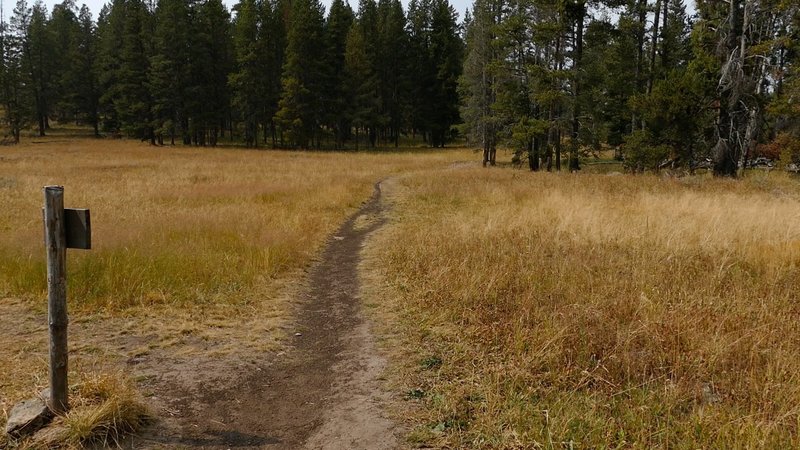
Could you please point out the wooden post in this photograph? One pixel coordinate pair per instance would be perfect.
(56, 245)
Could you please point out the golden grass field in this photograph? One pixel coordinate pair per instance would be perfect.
(594, 311)
(523, 310)
(195, 251)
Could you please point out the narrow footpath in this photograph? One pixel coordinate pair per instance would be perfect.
(324, 391)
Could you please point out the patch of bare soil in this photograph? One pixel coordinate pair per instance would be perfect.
(323, 392)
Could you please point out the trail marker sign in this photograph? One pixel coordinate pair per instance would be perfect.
(63, 228)
(78, 228)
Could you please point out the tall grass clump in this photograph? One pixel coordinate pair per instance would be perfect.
(594, 311)
(107, 408)
(104, 410)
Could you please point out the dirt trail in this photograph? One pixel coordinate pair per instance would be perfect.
(321, 393)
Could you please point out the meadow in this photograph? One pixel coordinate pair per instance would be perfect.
(593, 311)
(196, 252)
(520, 310)
(177, 226)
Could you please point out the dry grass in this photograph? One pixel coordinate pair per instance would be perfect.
(178, 226)
(107, 408)
(103, 410)
(196, 251)
(592, 311)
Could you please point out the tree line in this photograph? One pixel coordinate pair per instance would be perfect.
(271, 72)
(555, 79)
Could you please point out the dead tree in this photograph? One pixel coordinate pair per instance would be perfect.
(741, 83)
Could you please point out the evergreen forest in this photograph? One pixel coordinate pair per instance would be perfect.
(276, 73)
(555, 81)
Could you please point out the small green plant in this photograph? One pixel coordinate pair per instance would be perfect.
(416, 394)
(431, 362)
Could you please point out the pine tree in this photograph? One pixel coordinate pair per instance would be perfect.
(339, 22)
(673, 111)
(515, 102)
(300, 110)
(369, 28)
(600, 99)
(446, 49)
(675, 49)
(211, 63)
(16, 89)
(273, 36)
(392, 66)
(66, 34)
(435, 66)
(38, 64)
(576, 12)
(110, 29)
(420, 66)
(550, 33)
(479, 81)
(247, 81)
(82, 69)
(169, 71)
(360, 84)
(131, 98)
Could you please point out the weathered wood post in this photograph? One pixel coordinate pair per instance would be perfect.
(63, 229)
(56, 245)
